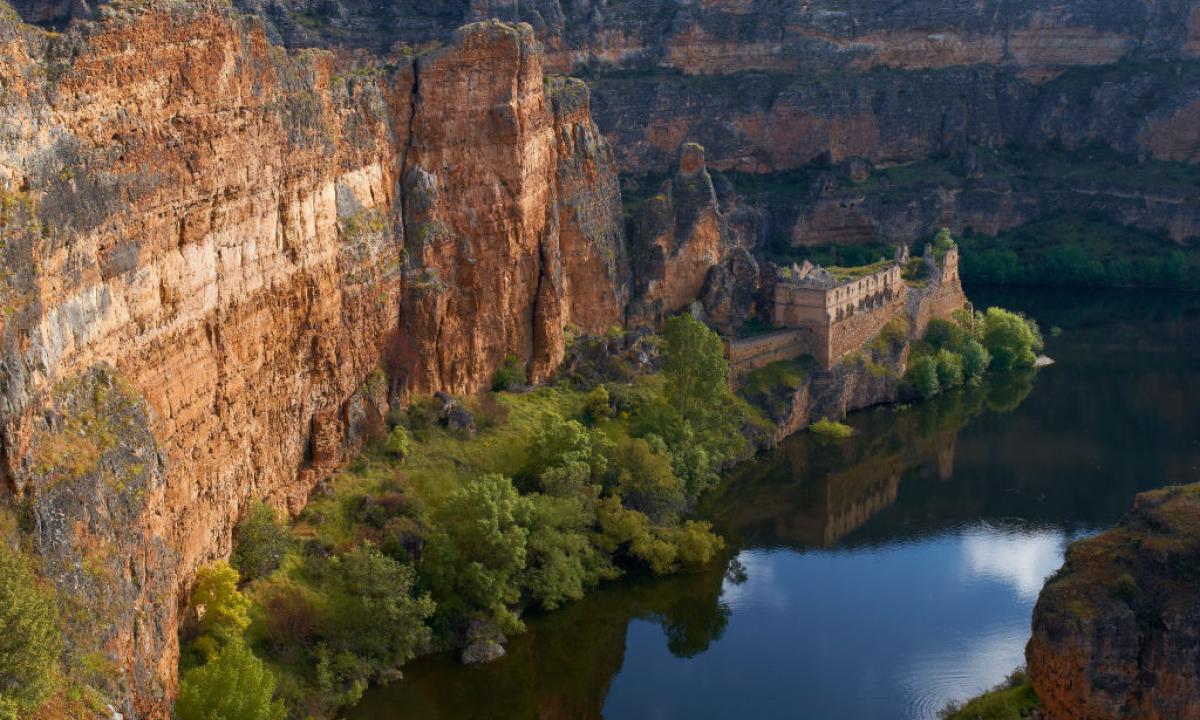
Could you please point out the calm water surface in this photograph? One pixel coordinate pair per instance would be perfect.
(882, 577)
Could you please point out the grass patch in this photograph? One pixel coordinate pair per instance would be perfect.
(844, 274)
(1013, 699)
(782, 375)
(831, 429)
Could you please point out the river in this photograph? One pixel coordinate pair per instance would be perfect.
(880, 577)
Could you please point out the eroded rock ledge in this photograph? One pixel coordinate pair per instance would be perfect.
(1116, 633)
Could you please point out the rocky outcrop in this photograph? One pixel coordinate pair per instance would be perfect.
(512, 214)
(679, 235)
(223, 263)
(1116, 633)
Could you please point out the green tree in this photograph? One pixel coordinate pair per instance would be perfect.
(371, 609)
(1012, 340)
(234, 685)
(597, 405)
(262, 541)
(949, 369)
(942, 242)
(30, 641)
(647, 483)
(629, 531)
(696, 370)
(975, 359)
(562, 561)
(224, 612)
(924, 376)
(564, 456)
(474, 558)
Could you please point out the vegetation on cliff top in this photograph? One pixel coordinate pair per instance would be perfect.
(436, 538)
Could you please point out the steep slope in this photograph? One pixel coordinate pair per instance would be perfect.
(207, 266)
(1115, 631)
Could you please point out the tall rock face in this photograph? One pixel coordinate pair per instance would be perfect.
(828, 78)
(679, 235)
(209, 292)
(199, 273)
(1116, 633)
(512, 213)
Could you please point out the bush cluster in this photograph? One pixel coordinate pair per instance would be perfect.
(587, 490)
(962, 350)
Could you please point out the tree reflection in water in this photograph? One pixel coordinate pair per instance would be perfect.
(1004, 475)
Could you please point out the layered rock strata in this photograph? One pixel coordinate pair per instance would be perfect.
(682, 233)
(1115, 631)
(224, 262)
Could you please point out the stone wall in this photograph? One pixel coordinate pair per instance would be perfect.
(752, 353)
(857, 330)
(941, 297)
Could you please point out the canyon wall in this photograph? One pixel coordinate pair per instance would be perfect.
(1115, 630)
(769, 87)
(223, 263)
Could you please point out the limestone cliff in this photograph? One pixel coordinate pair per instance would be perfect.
(680, 234)
(512, 215)
(1115, 631)
(212, 248)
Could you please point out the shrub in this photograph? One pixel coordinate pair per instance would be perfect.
(30, 641)
(696, 543)
(262, 541)
(662, 550)
(597, 405)
(975, 360)
(629, 531)
(223, 611)
(1013, 340)
(944, 334)
(398, 442)
(234, 685)
(290, 618)
(1013, 699)
(949, 369)
(831, 429)
(371, 610)
(893, 335)
(478, 550)
(647, 483)
(923, 376)
(510, 375)
(562, 561)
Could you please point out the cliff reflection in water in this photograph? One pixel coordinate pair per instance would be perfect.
(813, 493)
(878, 577)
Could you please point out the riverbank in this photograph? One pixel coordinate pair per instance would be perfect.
(469, 512)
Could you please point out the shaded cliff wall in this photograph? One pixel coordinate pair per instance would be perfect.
(679, 235)
(733, 35)
(1115, 630)
(829, 78)
(206, 266)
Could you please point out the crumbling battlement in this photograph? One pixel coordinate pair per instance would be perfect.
(829, 313)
